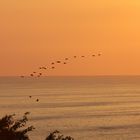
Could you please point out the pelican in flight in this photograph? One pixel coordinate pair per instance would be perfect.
(31, 75)
(52, 63)
(42, 68)
(58, 62)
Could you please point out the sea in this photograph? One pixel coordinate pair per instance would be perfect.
(86, 108)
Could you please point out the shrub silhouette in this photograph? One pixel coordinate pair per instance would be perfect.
(56, 135)
(11, 129)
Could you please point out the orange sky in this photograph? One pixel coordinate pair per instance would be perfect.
(35, 32)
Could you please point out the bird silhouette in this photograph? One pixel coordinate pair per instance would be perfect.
(58, 62)
(52, 63)
(41, 69)
(31, 75)
(37, 100)
(40, 73)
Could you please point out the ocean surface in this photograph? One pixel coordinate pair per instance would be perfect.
(87, 108)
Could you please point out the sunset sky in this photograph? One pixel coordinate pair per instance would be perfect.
(36, 32)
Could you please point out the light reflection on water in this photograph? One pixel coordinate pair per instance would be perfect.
(87, 108)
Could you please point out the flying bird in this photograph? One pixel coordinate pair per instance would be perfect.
(52, 63)
(58, 61)
(37, 100)
(31, 75)
(43, 68)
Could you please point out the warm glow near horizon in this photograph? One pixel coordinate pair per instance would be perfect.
(36, 32)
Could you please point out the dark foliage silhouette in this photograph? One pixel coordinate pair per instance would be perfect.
(56, 135)
(11, 129)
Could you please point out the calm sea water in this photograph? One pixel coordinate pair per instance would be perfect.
(87, 108)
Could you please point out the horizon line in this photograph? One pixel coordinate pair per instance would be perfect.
(76, 75)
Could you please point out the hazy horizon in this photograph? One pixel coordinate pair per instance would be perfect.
(28, 76)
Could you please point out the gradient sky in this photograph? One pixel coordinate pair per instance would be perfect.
(36, 32)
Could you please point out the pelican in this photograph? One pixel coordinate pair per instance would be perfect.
(31, 75)
(58, 61)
